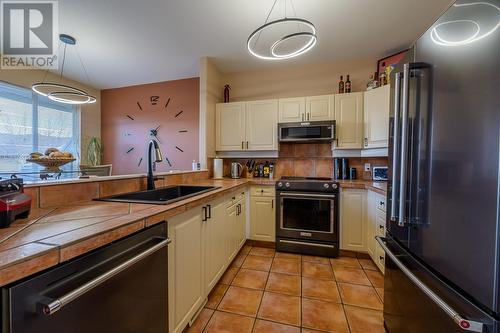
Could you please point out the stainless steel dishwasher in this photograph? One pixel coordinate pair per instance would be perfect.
(121, 287)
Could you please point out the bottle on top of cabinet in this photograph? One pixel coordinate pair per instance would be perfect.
(341, 85)
(348, 84)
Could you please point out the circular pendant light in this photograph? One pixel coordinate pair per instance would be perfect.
(62, 93)
(283, 38)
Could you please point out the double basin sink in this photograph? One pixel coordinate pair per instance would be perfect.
(161, 196)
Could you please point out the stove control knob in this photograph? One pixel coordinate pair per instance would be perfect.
(287, 185)
(280, 184)
(334, 186)
(326, 185)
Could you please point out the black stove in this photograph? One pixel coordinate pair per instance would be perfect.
(307, 216)
(314, 184)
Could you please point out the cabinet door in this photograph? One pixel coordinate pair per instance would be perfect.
(230, 126)
(371, 221)
(349, 120)
(216, 243)
(241, 226)
(376, 117)
(353, 215)
(262, 125)
(292, 110)
(262, 219)
(185, 268)
(319, 108)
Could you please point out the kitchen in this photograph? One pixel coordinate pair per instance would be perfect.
(283, 178)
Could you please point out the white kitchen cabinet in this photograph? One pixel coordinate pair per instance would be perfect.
(230, 126)
(186, 261)
(236, 228)
(375, 226)
(261, 129)
(292, 110)
(320, 108)
(247, 126)
(353, 216)
(376, 117)
(262, 214)
(216, 242)
(349, 120)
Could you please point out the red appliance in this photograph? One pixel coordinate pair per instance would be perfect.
(14, 203)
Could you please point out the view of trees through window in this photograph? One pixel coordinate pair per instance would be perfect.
(32, 123)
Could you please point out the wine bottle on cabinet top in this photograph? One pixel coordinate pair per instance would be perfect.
(341, 85)
(348, 85)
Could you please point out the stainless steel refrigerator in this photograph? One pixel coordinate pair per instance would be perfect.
(443, 241)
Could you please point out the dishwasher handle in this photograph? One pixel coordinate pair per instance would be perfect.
(51, 307)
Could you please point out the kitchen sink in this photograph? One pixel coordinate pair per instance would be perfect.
(160, 196)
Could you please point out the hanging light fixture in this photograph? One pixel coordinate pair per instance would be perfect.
(283, 38)
(62, 93)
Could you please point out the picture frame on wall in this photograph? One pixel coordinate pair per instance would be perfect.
(393, 59)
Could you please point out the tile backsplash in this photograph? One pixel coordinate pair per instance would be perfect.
(308, 160)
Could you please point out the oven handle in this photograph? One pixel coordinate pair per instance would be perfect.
(58, 303)
(307, 243)
(307, 195)
(465, 324)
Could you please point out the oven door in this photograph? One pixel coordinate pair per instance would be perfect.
(310, 216)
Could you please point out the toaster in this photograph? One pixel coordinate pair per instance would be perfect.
(379, 173)
(14, 203)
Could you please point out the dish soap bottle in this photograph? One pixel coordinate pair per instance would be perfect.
(266, 169)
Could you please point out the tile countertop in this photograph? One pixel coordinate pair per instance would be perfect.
(50, 236)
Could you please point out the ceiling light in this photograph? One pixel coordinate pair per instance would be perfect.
(300, 33)
(62, 93)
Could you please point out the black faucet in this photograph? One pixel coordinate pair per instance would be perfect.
(151, 167)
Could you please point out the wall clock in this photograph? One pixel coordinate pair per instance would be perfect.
(145, 113)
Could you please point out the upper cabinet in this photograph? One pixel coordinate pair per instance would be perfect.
(247, 126)
(312, 108)
(349, 120)
(376, 117)
(261, 125)
(230, 126)
(292, 110)
(320, 108)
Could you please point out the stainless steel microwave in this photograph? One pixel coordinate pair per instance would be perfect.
(307, 131)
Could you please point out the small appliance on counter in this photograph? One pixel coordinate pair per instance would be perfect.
(14, 203)
(236, 170)
(218, 168)
(341, 166)
(352, 173)
(379, 173)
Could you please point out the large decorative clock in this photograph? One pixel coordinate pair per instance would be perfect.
(129, 123)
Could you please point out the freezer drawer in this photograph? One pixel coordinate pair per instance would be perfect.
(408, 307)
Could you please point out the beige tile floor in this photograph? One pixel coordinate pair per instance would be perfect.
(267, 291)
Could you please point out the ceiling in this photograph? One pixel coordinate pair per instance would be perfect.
(128, 42)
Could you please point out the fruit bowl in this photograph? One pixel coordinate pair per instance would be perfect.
(51, 164)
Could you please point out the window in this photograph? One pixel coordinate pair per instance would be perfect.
(32, 123)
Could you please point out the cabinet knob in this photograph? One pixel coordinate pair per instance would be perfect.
(381, 226)
(381, 258)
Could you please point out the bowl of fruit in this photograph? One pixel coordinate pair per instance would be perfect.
(52, 159)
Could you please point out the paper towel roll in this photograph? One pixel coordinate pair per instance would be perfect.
(218, 168)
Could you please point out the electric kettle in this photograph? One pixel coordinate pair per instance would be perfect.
(236, 170)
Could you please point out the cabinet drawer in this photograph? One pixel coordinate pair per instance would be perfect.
(236, 197)
(380, 225)
(381, 203)
(262, 191)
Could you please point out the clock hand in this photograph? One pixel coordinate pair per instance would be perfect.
(157, 127)
(157, 139)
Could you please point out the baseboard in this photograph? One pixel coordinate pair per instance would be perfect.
(354, 254)
(252, 242)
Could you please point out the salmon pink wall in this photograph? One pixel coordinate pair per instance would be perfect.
(128, 114)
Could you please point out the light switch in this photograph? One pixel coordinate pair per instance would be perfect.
(368, 167)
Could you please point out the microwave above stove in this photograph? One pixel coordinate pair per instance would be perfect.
(307, 131)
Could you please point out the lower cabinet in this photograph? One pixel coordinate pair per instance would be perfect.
(186, 262)
(204, 241)
(376, 227)
(262, 214)
(353, 216)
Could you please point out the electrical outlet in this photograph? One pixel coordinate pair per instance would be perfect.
(368, 167)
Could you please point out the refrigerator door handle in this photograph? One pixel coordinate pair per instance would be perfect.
(395, 148)
(404, 146)
(465, 324)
